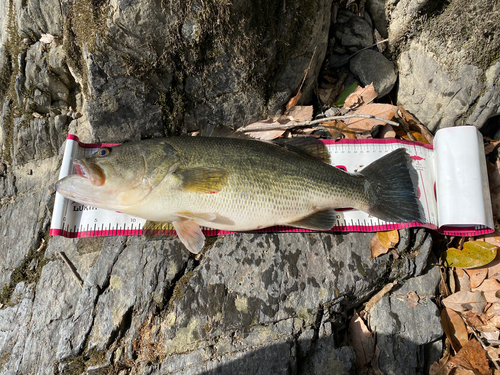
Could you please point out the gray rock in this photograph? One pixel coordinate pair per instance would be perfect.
(372, 67)
(403, 16)
(437, 98)
(351, 33)
(403, 331)
(447, 68)
(42, 101)
(377, 10)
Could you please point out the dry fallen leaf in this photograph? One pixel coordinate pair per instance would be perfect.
(301, 113)
(362, 340)
(360, 96)
(388, 238)
(377, 248)
(477, 276)
(387, 131)
(338, 128)
(463, 280)
(415, 125)
(385, 111)
(455, 329)
(490, 287)
(413, 299)
(293, 101)
(472, 357)
(465, 301)
(441, 368)
(490, 146)
(265, 135)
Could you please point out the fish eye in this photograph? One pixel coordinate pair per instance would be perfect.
(103, 151)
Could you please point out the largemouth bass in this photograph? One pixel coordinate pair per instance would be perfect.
(238, 185)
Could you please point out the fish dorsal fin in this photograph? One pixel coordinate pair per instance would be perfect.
(190, 235)
(305, 146)
(319, 220)
(204, 180)
(219, 131)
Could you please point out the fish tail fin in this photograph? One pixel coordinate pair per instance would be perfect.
(392, 188)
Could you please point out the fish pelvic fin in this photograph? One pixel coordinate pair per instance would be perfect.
(391, 187)
(204, 180)
(190, 235)
(319, 220)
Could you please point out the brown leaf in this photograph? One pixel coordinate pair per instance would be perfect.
(455, 329)
(415, 125)
(477, 276)
(441, 368)
(387, 131)
(465, 301)
(360, 96)
(493, 310)
(362, 340)
(413, 299)
(265, 135)
(385, 111)
(489, 147)
(490, 287)
(293, 101)
(338, 128)
(377, 248)
(388, 238)
(301, 113)
(463, 279)
(472, 357)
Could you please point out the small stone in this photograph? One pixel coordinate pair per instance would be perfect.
(372, 67)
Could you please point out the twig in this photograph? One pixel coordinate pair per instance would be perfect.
(386, 289)
(71, 268)
(313, 122)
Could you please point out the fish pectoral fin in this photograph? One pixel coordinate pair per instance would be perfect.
(190, 235)
(205, 180)
(318, 220)
(209, 216)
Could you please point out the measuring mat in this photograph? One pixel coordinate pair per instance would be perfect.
(453, 188)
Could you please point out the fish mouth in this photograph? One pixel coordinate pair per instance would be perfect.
(90, 171)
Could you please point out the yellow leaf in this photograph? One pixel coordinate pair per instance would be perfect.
(474, 254)
(388, 239)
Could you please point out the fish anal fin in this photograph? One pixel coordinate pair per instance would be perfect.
(190, 235)
(203, 180)
(318, 220)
